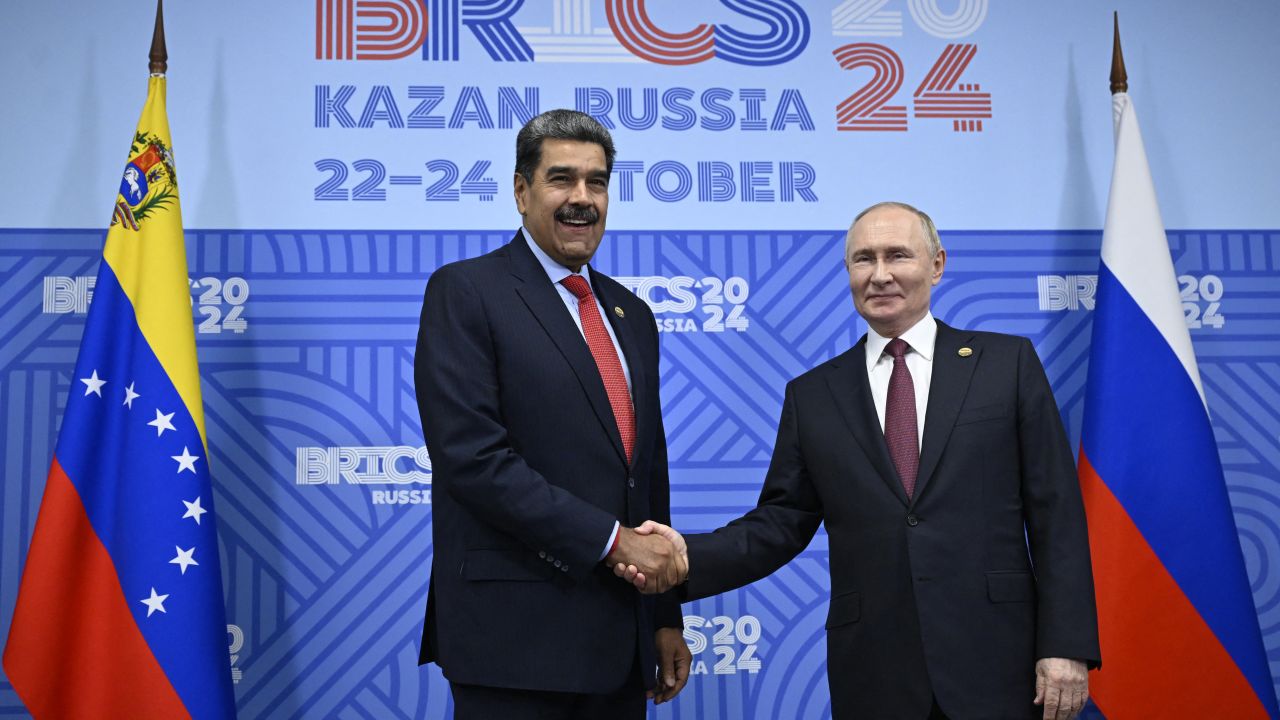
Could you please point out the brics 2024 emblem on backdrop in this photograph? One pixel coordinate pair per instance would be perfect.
(149, 184)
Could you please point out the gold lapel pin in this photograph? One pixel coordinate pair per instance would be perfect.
(618, 311)
(964, 352)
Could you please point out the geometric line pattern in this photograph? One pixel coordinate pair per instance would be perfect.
(328, 586)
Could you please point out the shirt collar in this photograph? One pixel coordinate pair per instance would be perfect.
(921, 337)
(555, 270)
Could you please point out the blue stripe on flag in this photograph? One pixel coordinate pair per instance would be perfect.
(134, 497)
(1149, 438)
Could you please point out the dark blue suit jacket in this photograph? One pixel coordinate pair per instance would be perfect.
(956, 592)
(529, 475)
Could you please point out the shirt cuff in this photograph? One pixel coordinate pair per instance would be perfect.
(612, 537)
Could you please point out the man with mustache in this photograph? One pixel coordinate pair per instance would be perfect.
(960, 577)
(537, 381)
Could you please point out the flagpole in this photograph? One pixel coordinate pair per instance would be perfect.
(1119, 78)
(159, 54)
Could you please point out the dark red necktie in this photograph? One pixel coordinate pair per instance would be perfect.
(900, 431)
(615, 381)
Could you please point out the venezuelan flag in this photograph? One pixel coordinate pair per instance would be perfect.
(1176, 618)
(120, 613)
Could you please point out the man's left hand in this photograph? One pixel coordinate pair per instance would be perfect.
(674, 662)
(1062, 687)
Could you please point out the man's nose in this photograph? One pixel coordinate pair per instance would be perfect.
(880, 274)
(578, 194)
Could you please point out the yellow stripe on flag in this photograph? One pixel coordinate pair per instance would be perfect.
(151, 261)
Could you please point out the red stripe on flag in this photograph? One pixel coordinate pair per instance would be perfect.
(74, 649)
(1160, 658)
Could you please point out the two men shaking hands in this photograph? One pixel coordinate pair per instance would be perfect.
(935, 457)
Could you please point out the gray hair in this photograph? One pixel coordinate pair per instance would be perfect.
(559, 125)
(931, 240)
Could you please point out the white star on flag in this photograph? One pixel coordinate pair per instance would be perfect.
(184, 558)
(93, 386)
(130, 396)
(186, 461)
(155, 602)
(194, 510)
(162, 423)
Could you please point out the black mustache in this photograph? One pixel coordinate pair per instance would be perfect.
(580, 212)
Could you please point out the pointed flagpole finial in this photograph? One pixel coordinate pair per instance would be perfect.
(1119, 78)
(159, 55)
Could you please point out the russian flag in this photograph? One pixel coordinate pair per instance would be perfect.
(1176, 618)
(121, 613)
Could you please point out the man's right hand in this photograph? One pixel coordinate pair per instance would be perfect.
(655, 562)
(636, 575)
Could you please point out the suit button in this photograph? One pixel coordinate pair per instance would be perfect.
(542, 554)
(550, 559)
(557, 563)
(912, 520)
(631, 482)
(564, 568)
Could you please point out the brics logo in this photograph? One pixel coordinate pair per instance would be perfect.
(401, 465)
(393, 465)
(1202, 297)
(392, 29)
(219, 304)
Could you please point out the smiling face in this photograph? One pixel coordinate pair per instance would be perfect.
(565, 203)
(891, 271)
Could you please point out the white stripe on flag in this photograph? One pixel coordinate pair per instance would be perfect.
(1134, 246)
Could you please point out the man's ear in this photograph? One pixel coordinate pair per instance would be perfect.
(521, 188)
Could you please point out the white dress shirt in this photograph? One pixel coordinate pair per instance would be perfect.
(921, 338)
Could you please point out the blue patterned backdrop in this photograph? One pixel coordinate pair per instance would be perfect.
(295, 115)
(306, 343)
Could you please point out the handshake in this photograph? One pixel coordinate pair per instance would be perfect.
(653, 557)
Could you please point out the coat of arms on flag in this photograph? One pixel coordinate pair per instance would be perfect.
(149, 183)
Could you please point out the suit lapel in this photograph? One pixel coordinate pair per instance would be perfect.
(851, 390)
(947, 389)
(548, 308)
(625, 330)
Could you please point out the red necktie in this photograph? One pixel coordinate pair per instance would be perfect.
(900, 432)
(615, 382)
